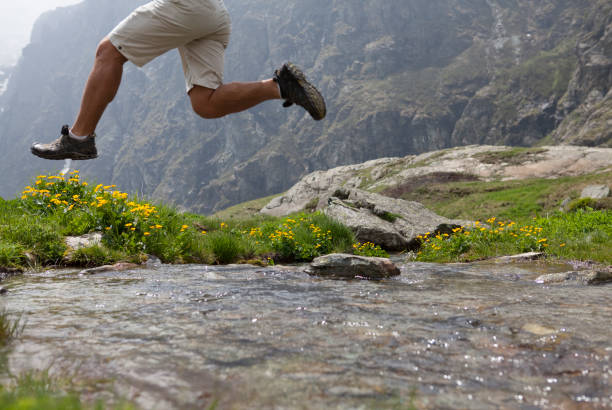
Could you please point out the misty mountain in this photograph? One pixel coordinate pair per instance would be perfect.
(400, 77)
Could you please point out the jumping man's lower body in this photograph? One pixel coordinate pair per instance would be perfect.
(200, 30)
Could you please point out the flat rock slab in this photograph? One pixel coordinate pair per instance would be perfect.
(595, 192)
(586, 277)
(345, 266)
(84, 241)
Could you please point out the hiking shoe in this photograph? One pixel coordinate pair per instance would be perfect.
(295, 89)
(66, 147)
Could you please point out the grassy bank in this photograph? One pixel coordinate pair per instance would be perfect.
(584, 234)
(33, 228)
(518, 216)
(508, 200)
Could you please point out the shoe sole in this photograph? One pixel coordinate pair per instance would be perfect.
(70, 155)
(316, 103)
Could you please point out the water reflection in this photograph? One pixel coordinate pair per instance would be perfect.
(475, 336)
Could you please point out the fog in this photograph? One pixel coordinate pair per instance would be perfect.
(16, 20)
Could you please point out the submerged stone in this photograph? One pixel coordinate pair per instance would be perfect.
(587, 277)
(118, 267)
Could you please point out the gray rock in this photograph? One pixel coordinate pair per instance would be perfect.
(153, 261)
(340, 265)
(84, 241)
(595, 192)
(564, 204)
(393, 224)
(597, 276)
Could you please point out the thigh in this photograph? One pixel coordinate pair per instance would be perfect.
(161, 25)
(203, 62)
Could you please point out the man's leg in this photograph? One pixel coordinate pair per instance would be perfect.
(101, 88)
(102, 85)
(231, 98)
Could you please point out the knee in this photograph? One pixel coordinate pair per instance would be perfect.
(202, 105)
(206, 111)
(106, 52)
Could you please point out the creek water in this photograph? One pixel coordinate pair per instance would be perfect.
(438, 336)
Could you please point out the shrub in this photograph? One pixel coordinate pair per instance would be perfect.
(581, 203)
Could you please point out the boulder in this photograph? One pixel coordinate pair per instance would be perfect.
(340, 265)
(595, 192)
(597, 276)
(393, 224)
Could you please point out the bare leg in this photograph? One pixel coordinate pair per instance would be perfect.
(231, 98)
(101, 87)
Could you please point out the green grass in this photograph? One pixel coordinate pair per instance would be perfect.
(511, 200)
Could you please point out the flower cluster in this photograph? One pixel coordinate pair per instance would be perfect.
(496, 235)
(298, 238)
(369, 249)
(103, 207)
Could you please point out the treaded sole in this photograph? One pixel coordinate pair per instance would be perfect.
(316, 103)
(71, 155)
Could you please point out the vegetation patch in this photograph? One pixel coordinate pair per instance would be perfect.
(388, 216)
(513, 156)
(398, 191)
(510, 200)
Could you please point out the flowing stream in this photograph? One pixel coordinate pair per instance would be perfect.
(438, 336)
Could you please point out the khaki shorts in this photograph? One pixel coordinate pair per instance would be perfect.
(199, 29)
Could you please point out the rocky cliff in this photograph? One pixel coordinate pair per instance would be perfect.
(401, 77)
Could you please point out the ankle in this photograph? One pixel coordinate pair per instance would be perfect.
(76, 136)
(274, 88)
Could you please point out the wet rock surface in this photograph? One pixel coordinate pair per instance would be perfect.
(117, 267)
(480, 335)
(7, 273)
(345, 266)
(597, 276)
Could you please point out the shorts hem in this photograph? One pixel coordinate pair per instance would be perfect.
(205, 84)
(116, 42)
